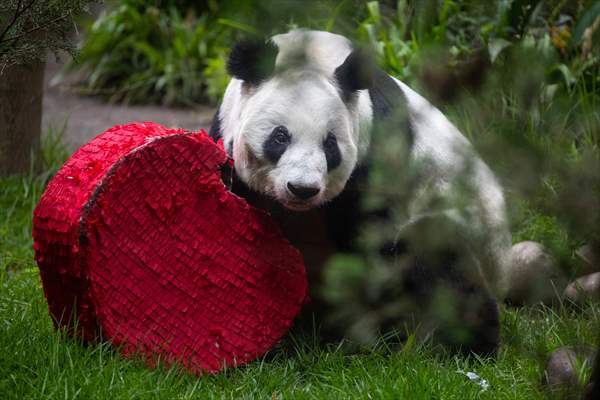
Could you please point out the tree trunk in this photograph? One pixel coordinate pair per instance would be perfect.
(21, 91)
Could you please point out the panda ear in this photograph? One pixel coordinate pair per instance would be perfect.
(252, 61)
(356, 73)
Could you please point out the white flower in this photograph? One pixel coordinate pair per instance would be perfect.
(477, 379)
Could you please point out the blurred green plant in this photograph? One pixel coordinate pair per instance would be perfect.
(174, 51)
(518, 80)
(567, 34)
(146, 51)
(522, 76)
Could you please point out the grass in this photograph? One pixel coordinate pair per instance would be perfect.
(36, 362)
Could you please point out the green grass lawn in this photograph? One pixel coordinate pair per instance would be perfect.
(37, 363)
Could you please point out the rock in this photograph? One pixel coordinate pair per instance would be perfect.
(533, 275)
(560, 368)
(562, 365)
(590, 258)
(582, 288)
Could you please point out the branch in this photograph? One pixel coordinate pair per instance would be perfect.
(18, 13)
(11, 23)
(37, 28)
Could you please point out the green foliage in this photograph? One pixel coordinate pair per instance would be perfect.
(140, 53)
(470, 28)
(505, 78)
(387, 34)
(174, 52)
(536, 95)
(18, 198)
(29, 28)
(38, 362)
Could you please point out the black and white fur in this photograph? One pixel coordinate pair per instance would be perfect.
(297, 119)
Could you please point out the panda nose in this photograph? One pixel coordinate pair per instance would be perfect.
(303, 192)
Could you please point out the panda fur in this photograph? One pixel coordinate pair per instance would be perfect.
(286, 100)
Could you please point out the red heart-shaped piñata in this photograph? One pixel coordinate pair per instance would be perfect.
(137, 237)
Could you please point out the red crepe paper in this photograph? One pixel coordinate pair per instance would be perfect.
(138, 240)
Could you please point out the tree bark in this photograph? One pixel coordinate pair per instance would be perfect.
(21, 91)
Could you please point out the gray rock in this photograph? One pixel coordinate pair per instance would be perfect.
(582, 288)
(562, 365)
(590, 258)
(533, 275)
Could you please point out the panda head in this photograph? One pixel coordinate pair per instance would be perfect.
(296, 138)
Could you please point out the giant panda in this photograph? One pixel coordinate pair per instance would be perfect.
(298, 119)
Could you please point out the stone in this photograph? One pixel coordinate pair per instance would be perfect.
(590, 259)
(533, 275)
(583, 288)
(562, 365)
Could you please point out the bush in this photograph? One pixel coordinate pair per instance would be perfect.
(465, 30)
(174, 51)
(140, 53)
(512, 80)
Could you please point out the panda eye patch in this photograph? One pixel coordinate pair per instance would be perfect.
(276, 143)
(332, 151)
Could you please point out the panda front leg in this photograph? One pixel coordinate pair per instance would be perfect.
(453, 305)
